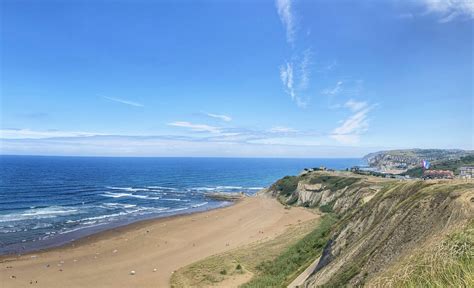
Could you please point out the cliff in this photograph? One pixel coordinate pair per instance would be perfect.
(382, 223)
(398, 161)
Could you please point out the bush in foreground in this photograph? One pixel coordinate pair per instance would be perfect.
(280, 271)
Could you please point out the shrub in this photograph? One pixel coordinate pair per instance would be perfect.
(280, 271)
(287, 185)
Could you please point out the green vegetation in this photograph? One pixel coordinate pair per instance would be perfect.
(343, 277)
(450, 264)
(281, 271)
(405, 207)
(327, 208)
(287, 185)
(452, 165)
(241, 262)
(334, 183)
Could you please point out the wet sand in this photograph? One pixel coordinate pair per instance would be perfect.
(152, 249)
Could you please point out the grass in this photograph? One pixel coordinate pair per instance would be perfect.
(450, 264)
(334, 183)
(287, 185)
(327, 208)
(343, 277)
(280, 271)
(452, 165)
(240, 262)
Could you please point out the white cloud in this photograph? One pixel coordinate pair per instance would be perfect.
(287, 17)
(286, 76)
(333, 91)
(222, 117)
(355, 105)
(35, 134)
(282, 129)
(299, 72)
(448, 10)
(294, 74)
(304, 69)
(127, 102)
(160, 146)
(287, 141)
(196, 127)
(350, 130)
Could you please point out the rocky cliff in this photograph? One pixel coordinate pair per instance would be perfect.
(382, 222)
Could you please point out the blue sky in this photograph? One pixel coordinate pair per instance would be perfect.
(235, 78)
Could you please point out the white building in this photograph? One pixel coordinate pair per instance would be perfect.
(466, 172)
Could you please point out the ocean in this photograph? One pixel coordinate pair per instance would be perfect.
(49, 201)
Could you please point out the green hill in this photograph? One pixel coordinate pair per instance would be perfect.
(451, 165)
(388, 233)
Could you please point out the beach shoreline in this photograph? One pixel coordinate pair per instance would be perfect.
(152, 248)
(91, 235)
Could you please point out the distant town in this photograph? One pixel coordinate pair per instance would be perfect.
(419, 163)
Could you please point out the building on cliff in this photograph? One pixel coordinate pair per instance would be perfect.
(438, 174)
(466, 172)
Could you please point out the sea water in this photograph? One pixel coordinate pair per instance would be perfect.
(49, 201)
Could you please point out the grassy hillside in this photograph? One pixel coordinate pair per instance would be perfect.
(381, 222)
(375, 232)
(279, 272)
(448, 263)
(451, 165)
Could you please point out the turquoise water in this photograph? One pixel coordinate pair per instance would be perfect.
(48, 201)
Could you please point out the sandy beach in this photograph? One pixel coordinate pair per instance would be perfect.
(152, 249)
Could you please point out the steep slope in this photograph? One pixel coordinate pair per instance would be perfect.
(382, 222)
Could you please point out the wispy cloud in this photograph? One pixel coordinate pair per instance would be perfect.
(176, 146)
(333, 91)
(196, 127)
(295, 76)
(278, 141)
(286, 76)
(350, 130)
(222, 117)
(342, 89)
(305, 72)
(42, 134)
(287, 17)
(282, 129)
(449, 10)
(127, 102)
(355, 105)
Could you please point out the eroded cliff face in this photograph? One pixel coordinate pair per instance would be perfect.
(381, 221)
(336, 191)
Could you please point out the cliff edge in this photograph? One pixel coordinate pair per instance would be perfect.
(383, 224)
